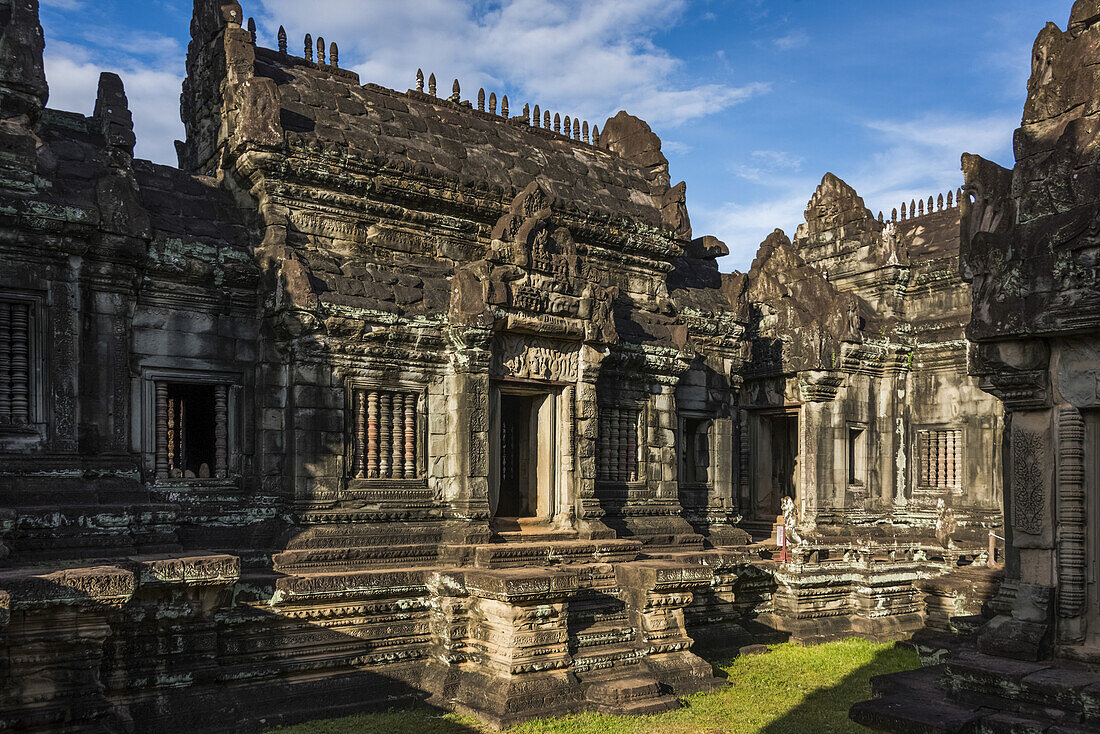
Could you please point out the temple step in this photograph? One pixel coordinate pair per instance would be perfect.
(529, 536)
(304, 560)
(762, 530)
(914, 715)
(92, 531)
(510, 555)
(639, 695)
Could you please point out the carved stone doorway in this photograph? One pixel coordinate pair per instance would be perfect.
(523, 481)
(776, 463)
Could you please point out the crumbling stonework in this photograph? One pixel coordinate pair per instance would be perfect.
(380, 396)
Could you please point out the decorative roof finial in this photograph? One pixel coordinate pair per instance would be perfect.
(576, 129)
(920, 208)
(431, 84)
(880, 217)
(282, 40)
(546, 119)
(334, 54)
(420, 80)
(481, 100)
(595, 135)
(252, 30)
(566, 126)
(912, 208)
(492, 103)
(939, 203)
(950, 199)
(309, 47)
(584, 131)
(504, 107)
(557, 122)
(320, 50)
(536, 117)
(526, 114)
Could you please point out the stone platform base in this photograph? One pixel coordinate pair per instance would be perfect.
(972, 693)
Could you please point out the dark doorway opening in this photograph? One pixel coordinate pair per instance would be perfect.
(518, 446)
(191, 430)
(784, 440)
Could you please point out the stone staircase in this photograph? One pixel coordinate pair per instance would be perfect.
(762, 530)
(628, 696)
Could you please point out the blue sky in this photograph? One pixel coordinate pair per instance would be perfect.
(754, 99)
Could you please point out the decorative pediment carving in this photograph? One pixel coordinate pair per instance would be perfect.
(533, 280)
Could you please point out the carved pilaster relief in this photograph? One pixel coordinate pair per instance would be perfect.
(1028, 492)
(1071, 512)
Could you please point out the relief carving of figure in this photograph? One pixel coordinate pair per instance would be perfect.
(946, 524)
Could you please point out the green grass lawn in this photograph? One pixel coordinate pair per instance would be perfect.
(791, 690)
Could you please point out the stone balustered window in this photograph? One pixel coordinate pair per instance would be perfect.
(940, 456)
(617, 456)
(16, 342)
(387, 434)
(192, 431)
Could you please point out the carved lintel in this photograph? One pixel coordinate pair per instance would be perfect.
(535, 358)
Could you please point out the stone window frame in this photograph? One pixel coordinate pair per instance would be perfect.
(232, 381)
(641, 407)
(856, 477)
(958, 462)
(712, 450)
(36, 372)
(352, 387)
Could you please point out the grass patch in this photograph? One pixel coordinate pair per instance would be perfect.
(792, 690)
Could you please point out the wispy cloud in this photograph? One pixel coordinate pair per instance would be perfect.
(915, 158)
(907, 160)
(792, 40)
(587, 59)
(63, 4)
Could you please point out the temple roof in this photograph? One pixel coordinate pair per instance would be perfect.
(322, 104)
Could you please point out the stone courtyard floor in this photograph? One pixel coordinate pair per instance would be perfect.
(791, 690)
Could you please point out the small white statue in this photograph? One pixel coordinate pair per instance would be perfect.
(790, 522)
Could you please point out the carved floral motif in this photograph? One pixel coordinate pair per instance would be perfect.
(1028, 492)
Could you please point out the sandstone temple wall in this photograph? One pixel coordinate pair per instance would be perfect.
(383, 396)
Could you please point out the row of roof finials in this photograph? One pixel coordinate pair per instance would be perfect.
(575, 128)
(540, 119)
(916, 208)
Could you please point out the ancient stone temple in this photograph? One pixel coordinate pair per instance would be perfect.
(856, 403)
(1029, 249)
(386, 396)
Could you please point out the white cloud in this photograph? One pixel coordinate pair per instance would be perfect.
(73, 76)
(912, 159)
(743, 226)
(921, 157)
(579, 58)
(794, 39)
